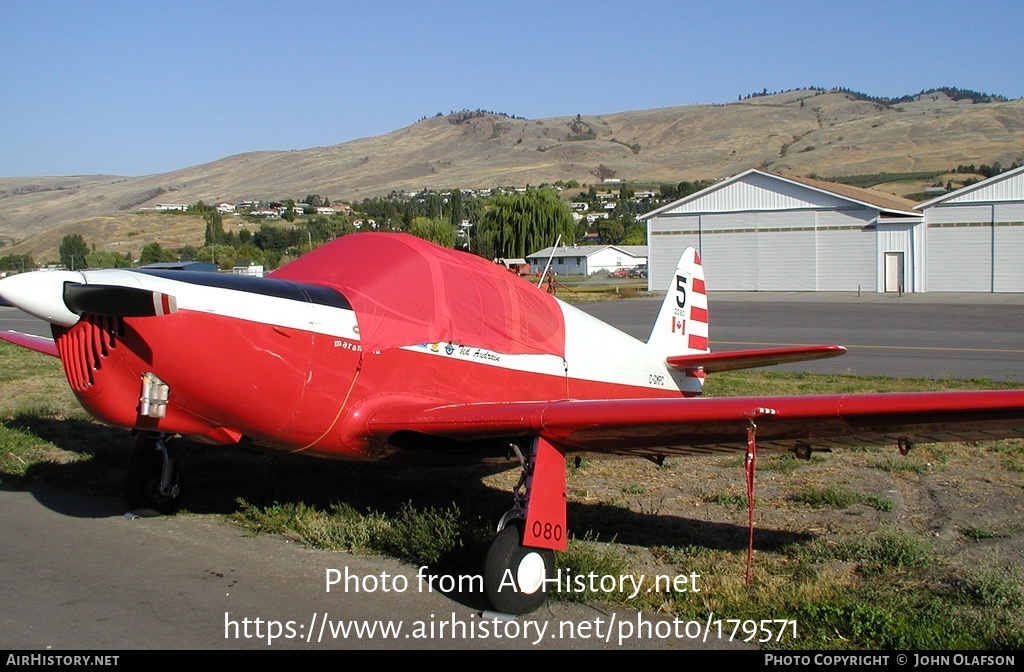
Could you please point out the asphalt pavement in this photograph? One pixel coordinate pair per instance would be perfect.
(81, 575)
(935, 335)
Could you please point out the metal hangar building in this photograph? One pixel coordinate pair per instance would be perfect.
(757, 231)
(975, 237)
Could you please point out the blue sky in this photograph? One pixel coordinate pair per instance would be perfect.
(138, 87)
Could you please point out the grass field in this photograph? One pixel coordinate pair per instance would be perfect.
(863, 549)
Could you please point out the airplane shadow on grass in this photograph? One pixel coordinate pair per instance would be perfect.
(222, 480)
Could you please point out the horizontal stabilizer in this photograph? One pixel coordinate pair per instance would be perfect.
(117, 301)
(752, 359)
(31, 341)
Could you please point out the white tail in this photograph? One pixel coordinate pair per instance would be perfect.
(682, 324)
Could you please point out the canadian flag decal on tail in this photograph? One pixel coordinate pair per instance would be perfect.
(682, 324)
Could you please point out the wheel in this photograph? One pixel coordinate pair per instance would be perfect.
(514, 575)
(142, 486)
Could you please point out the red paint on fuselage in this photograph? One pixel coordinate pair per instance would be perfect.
(284, 388)
(281, 387)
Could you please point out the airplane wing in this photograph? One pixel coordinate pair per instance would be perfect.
(684, 426)
(31, 341)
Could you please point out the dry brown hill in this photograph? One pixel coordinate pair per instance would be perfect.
(122, 233)
(799, 132)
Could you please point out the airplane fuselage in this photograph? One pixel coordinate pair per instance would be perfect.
(282, 364)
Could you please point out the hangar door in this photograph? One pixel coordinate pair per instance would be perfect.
(977, 248)
(786, 251)
(1008, 248)
(959, 249)
(959, 258)
(746, 251)
(728, 247)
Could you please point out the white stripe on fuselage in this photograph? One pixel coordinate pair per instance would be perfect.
(242, 305)
(550, 365)
(594, 350)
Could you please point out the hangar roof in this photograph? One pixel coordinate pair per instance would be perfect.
(886, 204)
(588, 251)
(1012, 191)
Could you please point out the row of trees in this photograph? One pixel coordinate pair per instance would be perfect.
(508, 225)
(951, 91)
(17, 262)
(75, 254)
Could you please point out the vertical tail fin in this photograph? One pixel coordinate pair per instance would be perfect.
(682, 324)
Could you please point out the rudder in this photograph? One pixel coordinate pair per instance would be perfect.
(682, 324)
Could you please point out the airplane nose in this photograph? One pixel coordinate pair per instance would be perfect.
(41, 293)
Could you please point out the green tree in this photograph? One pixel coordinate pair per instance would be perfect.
(610, 230)
(435, 230)
(250, 252)
(154, 253)
(276, 238)
(215, 234)
(685, 188)
(318, 230)
(200, 208)
(222, 255)
(455, 207)
(17, 262)
(105, 259)
(73, 251)
(515, 225)
(636, 234)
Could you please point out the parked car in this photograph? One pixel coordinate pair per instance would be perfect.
(619, 273)
(638, 271)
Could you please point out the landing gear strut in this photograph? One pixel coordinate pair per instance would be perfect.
(521, 561)
(153, 484)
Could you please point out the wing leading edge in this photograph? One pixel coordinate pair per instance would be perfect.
(40, 344)
(681, 426)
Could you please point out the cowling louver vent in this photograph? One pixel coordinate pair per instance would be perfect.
(84, 347)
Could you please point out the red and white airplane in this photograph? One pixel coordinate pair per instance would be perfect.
(379, 344)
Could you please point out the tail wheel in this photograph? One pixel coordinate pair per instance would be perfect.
(515, 576)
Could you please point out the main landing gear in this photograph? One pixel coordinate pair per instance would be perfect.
(514, 575)
(153, 484)
(520, 563)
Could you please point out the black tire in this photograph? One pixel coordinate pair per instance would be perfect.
(507, 559)
(142, 486)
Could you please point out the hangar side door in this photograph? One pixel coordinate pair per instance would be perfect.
(894, 272)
